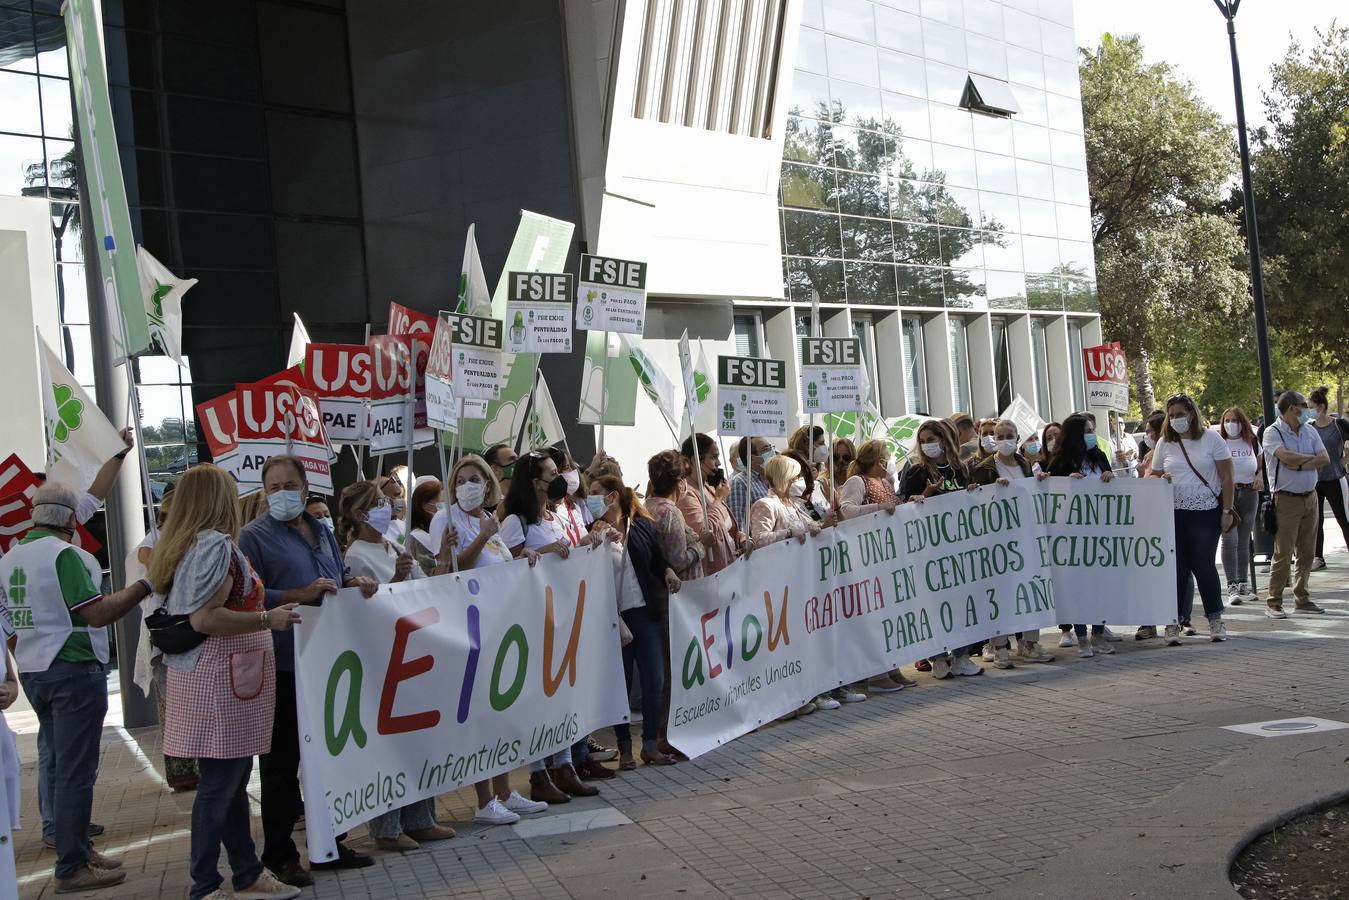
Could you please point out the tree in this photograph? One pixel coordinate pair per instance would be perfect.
(1157, 160)
(1301, 176)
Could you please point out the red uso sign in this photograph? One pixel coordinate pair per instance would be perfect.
(339, 370)
(405, 320)
(1107, 375)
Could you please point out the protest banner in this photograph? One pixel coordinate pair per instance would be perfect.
(341, 377)
(1107, 377)
(406, 320)
(611, 295)
(538, 312)
(80, 439)
(393, 375)
(17, 486)
(217, 419)
(1024, 416)
(752, 393)
(441, 682)
(832, 376)
(475, 349)
(761, 637)
(278, 415)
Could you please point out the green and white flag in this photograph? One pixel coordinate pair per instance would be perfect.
(544, 428)
(163, 294)
(80, 439)
(619, 400)
(652, 378)
(474, 297)
(299, 340)
(702, 402)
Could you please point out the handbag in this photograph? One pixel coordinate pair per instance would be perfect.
(1217, 495)
(173, 633)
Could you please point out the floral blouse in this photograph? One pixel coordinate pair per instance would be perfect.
(678, 542)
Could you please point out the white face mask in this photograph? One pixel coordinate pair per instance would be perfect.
(1149, 441)
(1233, 429)
(796, 489)
(469, 495)
(1007, 447)
(573, 479)
(932, 449)
(1050, 444)
(821, 455)
(1180, 424)
(988, 443)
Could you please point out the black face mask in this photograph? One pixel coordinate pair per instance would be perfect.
(715, 478)
(557, 488)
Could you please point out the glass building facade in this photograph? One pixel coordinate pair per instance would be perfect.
(934, 160)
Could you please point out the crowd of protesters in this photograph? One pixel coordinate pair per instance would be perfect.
(228, 578)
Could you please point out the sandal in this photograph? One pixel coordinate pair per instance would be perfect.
(660, 759)
(668, 749)
(627, 765)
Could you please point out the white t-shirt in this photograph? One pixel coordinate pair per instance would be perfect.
(1205, 454)
(1011, 473)
(1245, 460)
(547, 530)
(575, 519)
(376, 561)
(494, 551)
(625, 579)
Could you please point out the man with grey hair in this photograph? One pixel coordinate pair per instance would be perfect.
(1294, 456)
(50, 591)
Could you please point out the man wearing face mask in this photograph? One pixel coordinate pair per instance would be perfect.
(749, 480)
(299, 561)
(967, 435)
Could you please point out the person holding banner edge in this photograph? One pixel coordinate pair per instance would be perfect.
(299, 561)
(221, 692)
(717, 530)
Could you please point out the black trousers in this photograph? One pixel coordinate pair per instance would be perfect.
(280, 769)
(1329, 492)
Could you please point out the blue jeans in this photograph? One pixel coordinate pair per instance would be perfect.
(647, 651)
(70, 700)
(1197, 533)
(220, 816)
(416, 816)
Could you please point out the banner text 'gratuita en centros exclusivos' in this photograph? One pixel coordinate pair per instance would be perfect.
(441, 682)
(764, 635)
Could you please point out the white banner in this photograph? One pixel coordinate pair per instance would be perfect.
(538, 312)
(611, 295)
(441, 682)
(763, 636)
(752, 394)
(832, 376)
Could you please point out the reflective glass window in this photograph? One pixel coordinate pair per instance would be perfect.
(1065, 113)
(851, 60)
(903, 73)
(1074, 222)
(899, 31)
(917, 244)
(964, 288)
(1034, 179)
(956, 164)
(807, 278)
(911, 158)
(996, 172)
(961, 248)
(1005, 290)
(1003, 251)
(1044, 292)
(945, 84)
(1070, 186)
(909, 114)
(808, 141)
(992, 133)
(944, 43)
(1025, 67)
(1057, 41)
(862, 195)
(811, 234)
(870, 284)
(1040, 253)
(986, 56)
(1032, 103)
(999, 212)
(867, 239)
(810, 95)
(984, 17)
(1021, 29)
(1068, 150)
(1077, 258)
(1061, 76)
(20, 111)
(850, 19)
(951, 125)
(1038, 217)
(810, 54)
(948, 11)
(856, 104)
(809, 188)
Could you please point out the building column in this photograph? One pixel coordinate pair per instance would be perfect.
(983, 377)
(937, 356)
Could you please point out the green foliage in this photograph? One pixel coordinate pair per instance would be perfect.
(1301, 175)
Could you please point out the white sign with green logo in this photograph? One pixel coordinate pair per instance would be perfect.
(752, 394)
(832, 378)
(612, 295)
(476, 353)
(538, 312)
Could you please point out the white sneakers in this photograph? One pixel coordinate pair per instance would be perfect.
(824, 701)
(961, 664)
(1067, 639)
(1002, 658)
(1084, 648)
(1235, 595)
(941, 667)
(1275, 612)
(1032, 652)
(1109, 635)
(1217, 631)
(1173, 635)
(495, 813)
(990, 655)
(522, 806)
(847, 695)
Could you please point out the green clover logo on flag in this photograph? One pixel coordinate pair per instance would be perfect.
(700, 387)
(728, 411)
(812, 390)
(69, 412)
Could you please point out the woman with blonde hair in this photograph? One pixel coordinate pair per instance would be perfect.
(221, 690)
(868, 488)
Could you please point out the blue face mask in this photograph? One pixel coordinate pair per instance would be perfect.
(596, 505)
(1090, 438)
(379, 517)
(1033, 447)
(1307, 415)
(768, 454)
(285, 506)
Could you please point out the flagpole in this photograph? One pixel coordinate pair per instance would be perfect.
(833, 488)
(697, 462)
(604, 379)
(529, 406)
(410, 423)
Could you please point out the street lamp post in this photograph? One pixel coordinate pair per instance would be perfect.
(1229, 10)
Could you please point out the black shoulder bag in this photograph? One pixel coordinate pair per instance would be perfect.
(1269, 518)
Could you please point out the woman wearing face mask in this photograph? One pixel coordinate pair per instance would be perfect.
(392, 488)
(571, 509)
(1005, 465)
(366, 514)
(867, 488)
(844, 452)
(988, 442)
(1152, 433)
(532, 523)
(425, 503)
(472, 535)
(643, 582)
(317, 507)
(1075, 455)
(1031, 452)
(1049, 442)
(716, 531)
(810, 443)
(1198, 464)
(1248, 482)
(937, 469)
(1335, 436)
(808, 495)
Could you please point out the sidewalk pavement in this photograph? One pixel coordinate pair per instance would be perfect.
(1105, 777)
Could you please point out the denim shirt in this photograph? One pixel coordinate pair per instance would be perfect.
(284, 560)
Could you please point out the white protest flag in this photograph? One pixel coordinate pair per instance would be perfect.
(163, 294)
(654, 381)
(80, 439)
(702, 402)
(474, 297)
(299, 340)
(544, 428)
